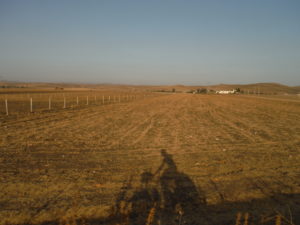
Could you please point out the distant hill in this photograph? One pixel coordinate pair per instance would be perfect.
(263, 88)
(266, 88)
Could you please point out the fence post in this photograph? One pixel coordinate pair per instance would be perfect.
(49, 103)
(65, 102)
(6, 107)
(119, 98)
(77, 100)
(87, 100)
(95, 99)
(108, 98)
(31, 105)
(103, 99)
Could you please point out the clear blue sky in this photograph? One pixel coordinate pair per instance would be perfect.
(150, 41)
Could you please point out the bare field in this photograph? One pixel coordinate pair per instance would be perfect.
(236, 153)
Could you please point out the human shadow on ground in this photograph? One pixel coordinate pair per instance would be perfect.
(166, 196)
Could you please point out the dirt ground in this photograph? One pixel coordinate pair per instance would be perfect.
(238, 154)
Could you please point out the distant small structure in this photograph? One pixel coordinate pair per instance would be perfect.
(226, 92)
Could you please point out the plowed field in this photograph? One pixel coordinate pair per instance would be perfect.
(74, 162)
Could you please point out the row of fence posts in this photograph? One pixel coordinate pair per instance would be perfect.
(115, 99)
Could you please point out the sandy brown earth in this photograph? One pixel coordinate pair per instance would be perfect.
(237, 150)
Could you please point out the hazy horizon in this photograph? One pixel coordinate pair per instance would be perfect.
(150, 43)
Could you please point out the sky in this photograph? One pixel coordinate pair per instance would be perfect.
(157, 42)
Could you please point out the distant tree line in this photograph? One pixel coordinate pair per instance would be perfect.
(5, 86)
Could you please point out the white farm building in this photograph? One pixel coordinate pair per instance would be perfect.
(225, 92)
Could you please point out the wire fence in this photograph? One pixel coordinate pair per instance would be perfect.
(30, 103)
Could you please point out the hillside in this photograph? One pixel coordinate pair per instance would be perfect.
(263, 88)
(266, 88)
